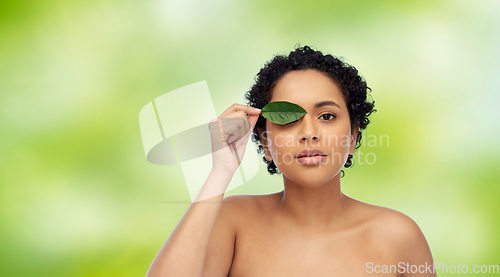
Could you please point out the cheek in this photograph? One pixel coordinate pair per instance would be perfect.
(338, 141)
(282, 148)
(280, 143)
(337, 144)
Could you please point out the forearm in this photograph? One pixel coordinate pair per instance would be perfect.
(184, 252)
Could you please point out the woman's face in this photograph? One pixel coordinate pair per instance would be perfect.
(325, 127)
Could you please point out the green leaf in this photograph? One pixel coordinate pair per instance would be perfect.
(282, 112)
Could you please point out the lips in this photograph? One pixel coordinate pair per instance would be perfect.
(311, 153)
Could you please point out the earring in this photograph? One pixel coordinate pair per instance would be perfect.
(348, 163)
(358, 140)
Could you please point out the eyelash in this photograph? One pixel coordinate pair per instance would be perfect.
(334, 116)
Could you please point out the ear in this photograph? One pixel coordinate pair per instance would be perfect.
(263, 141)
(354, 136)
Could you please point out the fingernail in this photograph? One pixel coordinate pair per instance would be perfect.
(257, 109)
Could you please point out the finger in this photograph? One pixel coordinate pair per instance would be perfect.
(231, 125)
(238, 107)
(253, 118)
(239, 130)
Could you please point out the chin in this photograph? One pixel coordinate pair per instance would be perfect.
(310, 177)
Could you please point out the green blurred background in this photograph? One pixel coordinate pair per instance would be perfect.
(77, 195)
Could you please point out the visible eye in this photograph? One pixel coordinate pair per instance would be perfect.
(328, 114)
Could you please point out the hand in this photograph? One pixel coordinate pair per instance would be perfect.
(229, 134)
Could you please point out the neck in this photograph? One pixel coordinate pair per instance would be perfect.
(319, 206)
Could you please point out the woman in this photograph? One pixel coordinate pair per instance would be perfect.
(310, 228)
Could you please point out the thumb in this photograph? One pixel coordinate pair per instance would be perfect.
(252, 118)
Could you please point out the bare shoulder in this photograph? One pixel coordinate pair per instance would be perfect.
(391, 222)
(240, 199)
(246, 202)
(395, 231)
(244, 207)
(237, 203)
(386, 222)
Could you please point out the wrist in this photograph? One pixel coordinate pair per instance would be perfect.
(216, 185)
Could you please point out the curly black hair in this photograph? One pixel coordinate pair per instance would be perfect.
(353, 87)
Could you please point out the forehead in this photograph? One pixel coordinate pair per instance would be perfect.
(307, 87)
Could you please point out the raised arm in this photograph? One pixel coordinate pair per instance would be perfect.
(185, 251)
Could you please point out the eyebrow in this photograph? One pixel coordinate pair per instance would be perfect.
(326, 103)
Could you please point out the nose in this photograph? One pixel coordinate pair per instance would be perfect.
(308, 130)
